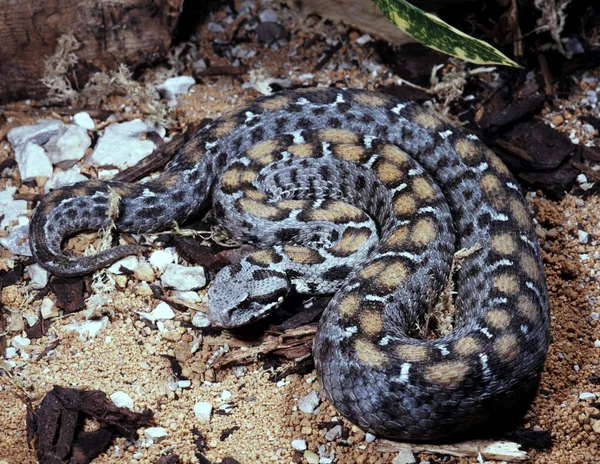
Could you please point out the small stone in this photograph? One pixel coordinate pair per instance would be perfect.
(199, 65)
(187, 296)
(129, 262)
(202, 411)
(268, 15)
(226, 395)
(239, 371)
(579, 202)
(200, 320)
(557, 119)
(48, 309)
(583, 236)
(183, 278)
(66, 149)
(160, 259)
(62, 178)
(161, 312)
(215, 27)
(596, 426)
(363, 39)
(174, 86)
(155, 434)
(19, 342)
(184, 383)
(122, 400)
(585, 396)
(582, 179)
(38, 275)
(334, 433)
(17, 241)
(33, 162)
(144, 272)
(11, 352)
(38, 133)
(370, 438)
(311, 458)
(308, 403)
(299, 445)
(594, 316)
(84, 120)
(597, 343)
(404, 456)
(11, 208)
(88, 329)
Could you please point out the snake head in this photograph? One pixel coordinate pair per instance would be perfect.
(244, 293)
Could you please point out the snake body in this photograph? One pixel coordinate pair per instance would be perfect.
(368, 197)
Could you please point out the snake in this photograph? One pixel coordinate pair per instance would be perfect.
(370, 199)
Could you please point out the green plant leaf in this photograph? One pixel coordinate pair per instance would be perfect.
(435, 33)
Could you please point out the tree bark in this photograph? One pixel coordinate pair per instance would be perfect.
(111, 32)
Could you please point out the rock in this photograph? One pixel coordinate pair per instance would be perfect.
(311, 457)
(160, 259)
(38, 275)
(334, 433)
(183, 278)
(129, 262)
(11, 208)
(215, 27)
(199, 65)
(594, 316)
(299, 445)
(404, 456)
(62, 178)
(48, 309)
(595, 425)
(17, 241)
(84, 120)
(121, 146)
(66, 149)
(202, 411)
(19, 342)
(585, 396)
(308, 403)
(184, 383)
(155, 434)
(200, 320)
(363, 39)
(597, 343)
(370, 438)
(38, 133)
(239, 371)
(162, 312)
(268, 15)
(187, 296)
(122, 400)
(33, 162)
(88, 329)
(11, 352)
(176, 86)
(226, 395)
(583, 236)
(144, 272)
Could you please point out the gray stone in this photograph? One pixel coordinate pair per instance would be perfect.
(33, 162)
(308, 403)
(38, 133)
(68, 148)
(183, 278)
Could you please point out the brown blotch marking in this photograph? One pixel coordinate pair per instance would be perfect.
(503, 244)
(293, 204)
(231, 179)
(394, 154)
(519, 212)
(466, 346)
(373, 269)
(529, 265)
(369, 354)
(259, 208)
(224, 128)
(405, 204)
(527, 308)
(348, 305)
(262, 153)
(498, 319)
(349, 152)
(371, 322)
(398, 237)
(490, 184)
(338, 136)
(422, 188)
(303, 255)
(466, 149)
(448, 374)
(412, 353)
(275, 103)
(336, 211)
(389, 173)
(247, 176)
(392, 275)
(506, 283)
(351, 241)
(372, 101)
(507, 347)
(496, 162)
(264, 257)
(424, 232)
(302, 150)
(254, 194)
(428, 120)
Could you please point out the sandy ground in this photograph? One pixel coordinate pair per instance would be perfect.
(127, 355)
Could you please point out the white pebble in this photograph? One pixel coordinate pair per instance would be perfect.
(363, 39)
(299, 445)
(38, 133)
(11, 352)
(122, 400)
(48, 309)
(33, 162)
(184, 383)
(174, 86)
(20, 342)
(202, 411)
(587, 396)
(404, 456)
(200, 320)
(66, 149)
(183, 278)
(129, 262)
(369, 437)
(161, 312)
(597, 343)
(38, 275)
(308, 403)
(226, 395)
(155, 433)
(583, 236)
(11, 208)
(334, 433)
(62, 178)
(160, 259)
(187, 296)
(581, 178)
(84, 120)
(268, 16)
(594, 316)
(17, 241)
(88, 329)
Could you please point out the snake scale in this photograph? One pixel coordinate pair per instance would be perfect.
(366, 197)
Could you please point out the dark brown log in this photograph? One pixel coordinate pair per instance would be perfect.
(134, 32)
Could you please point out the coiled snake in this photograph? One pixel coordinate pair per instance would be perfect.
(367, 197)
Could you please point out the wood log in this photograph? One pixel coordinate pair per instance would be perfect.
(111, 32)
